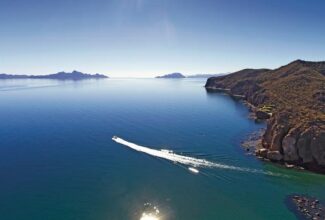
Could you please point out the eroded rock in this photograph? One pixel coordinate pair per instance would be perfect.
(274, 155)
(318, 147)
(303, 146)
(262, 115)
(262, 152)
(289, 147)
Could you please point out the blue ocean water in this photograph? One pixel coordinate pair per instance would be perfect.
(58, 161)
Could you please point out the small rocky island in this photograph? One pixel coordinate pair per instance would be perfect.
(305, 207)
(171, 76)
(74, 75)
(181, 76)
(292, 100)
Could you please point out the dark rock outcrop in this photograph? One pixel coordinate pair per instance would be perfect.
(291, 98)
(274, 155)
(289, 147)
(262, 115)
(305, 207)
(303, 146)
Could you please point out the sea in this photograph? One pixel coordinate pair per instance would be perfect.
(58, 159)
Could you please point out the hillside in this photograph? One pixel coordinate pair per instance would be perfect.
(292, 98)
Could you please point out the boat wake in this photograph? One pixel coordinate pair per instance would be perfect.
(186, 160)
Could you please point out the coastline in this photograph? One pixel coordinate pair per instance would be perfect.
(253, 143)
(303, 206)
(292, 108)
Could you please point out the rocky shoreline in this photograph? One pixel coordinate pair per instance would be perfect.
(254, 143)
(305, 207)
(292, 100)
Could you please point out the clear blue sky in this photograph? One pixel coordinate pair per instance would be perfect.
(140, 38)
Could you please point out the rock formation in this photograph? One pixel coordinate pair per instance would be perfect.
(292, 99)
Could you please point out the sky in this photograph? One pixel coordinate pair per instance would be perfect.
(145, 38)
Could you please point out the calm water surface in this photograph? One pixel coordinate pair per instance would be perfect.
(57, 159)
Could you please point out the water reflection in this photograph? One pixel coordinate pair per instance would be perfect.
(150, 212)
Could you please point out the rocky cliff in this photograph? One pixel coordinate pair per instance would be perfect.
(292, 99)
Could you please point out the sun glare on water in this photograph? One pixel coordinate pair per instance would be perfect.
(151, 212)
(149, 216)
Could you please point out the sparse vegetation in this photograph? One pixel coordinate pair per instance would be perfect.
(293, 97)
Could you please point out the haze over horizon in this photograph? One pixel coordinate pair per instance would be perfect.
(143, 38)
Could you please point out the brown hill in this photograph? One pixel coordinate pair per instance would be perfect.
(293, 98)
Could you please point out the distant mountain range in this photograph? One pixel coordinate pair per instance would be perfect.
(171, 76)
(181, 76)
(74, 75)
(205, 75)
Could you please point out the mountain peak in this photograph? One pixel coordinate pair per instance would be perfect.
(172, 76)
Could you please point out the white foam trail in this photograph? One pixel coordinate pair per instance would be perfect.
(193, 170)
(190, 161)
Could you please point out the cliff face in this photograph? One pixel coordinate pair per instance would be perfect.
(292, 98)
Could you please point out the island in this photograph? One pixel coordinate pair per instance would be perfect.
(203, 75)
(171, 76)
(181, 76)
(292, 100)
(74, 75)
